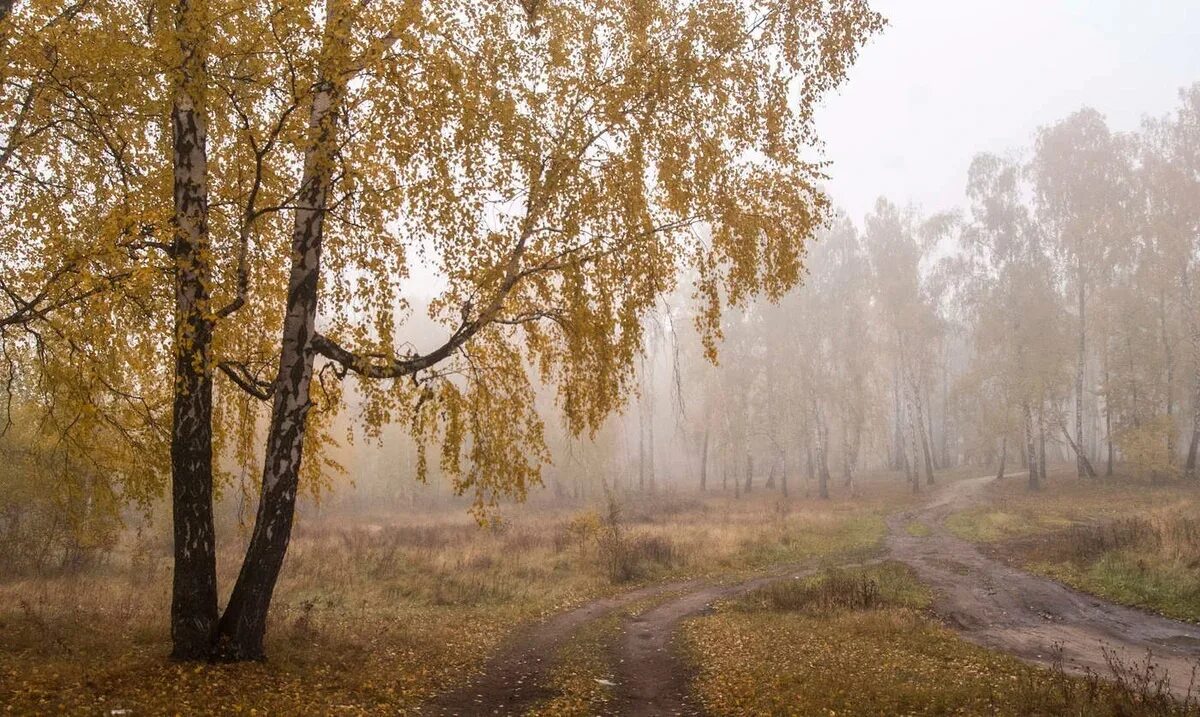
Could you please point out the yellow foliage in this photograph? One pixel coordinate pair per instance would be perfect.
(556, 163)
(1144, 447)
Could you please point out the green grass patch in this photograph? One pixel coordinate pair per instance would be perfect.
(1152, 582)
(988, 525)
(917, 529)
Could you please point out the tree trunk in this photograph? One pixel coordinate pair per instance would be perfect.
(1193, 318)
(650, 447)
(899, 453)
(1041, 420)
(821, 450)
(917, 422)
(915, 472)
(242, 627)
(1003, 457)
(1169, 356)
(1080, 457)
(642, 439)
(704, 460)
(927, 455)
(946, 462)
(850, 446)
(1030, 449)
(1108, 440)
(930, 452)
(809, 468)
(194, 582)
(749, 473)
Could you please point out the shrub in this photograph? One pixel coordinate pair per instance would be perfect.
(1145, 448)
(625, 558)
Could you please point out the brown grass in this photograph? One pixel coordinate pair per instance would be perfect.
(373, 615)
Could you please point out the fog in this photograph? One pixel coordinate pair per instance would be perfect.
(560, 357)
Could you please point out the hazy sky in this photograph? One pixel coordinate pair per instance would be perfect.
(949, 78)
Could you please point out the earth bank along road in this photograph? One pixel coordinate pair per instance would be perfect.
(988, 602)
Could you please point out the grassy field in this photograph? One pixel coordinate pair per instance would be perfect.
(373, 616)
(1130, 542)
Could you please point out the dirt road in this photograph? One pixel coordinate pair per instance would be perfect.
(1006, 609)
(988, 602)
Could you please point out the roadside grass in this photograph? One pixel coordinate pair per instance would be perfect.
(917, 529)
(818, 648)
(376, 615)
(1134, 543)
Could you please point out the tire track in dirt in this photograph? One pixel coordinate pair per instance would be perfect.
(652, 678)
(1010, 610)
(517, 677)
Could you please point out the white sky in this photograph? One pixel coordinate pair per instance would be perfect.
(950, 78)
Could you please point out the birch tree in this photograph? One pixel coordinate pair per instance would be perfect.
(555, 163)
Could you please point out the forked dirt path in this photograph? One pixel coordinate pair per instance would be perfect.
(988, 602)
(1029, 616)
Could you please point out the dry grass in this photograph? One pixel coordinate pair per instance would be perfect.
(373, 616)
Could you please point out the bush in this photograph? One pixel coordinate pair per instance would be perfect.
(626, 558)
(885, 585)
(1144, 447)
(52, 518)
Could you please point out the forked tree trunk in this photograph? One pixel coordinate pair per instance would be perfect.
(917, 423)
(1089, 471)
(242, 627)
(194, 581)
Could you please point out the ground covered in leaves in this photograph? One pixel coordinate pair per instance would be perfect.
(859, 642)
